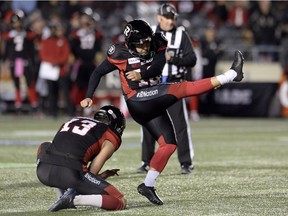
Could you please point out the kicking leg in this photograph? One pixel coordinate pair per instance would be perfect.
(186, 89)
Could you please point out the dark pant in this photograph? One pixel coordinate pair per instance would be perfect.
(63, 178)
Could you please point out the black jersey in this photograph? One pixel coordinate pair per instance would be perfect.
(79, 139)
(85, 44)
(120, 57)
(19, 44)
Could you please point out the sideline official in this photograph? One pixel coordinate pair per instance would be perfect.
(180, 55)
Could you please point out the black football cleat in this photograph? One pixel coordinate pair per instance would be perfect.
(186, 168)
(150, 194)
(237, 66)
(65, 201)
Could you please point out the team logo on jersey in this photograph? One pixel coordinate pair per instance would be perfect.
(111, 50)
(150, 93)
(147, 61)
(60, 43)
(133, 60)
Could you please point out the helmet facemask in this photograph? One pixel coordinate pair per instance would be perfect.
(112, 117)
(102, 116)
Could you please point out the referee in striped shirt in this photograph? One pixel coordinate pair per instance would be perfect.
(180, 55)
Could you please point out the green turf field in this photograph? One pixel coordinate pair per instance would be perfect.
(241, 169)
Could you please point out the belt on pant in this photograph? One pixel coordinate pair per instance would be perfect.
(62, 154)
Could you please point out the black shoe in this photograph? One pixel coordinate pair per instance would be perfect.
(143, 169)
(186, 168)
(237, 66)
(150, 194)
(65, 201)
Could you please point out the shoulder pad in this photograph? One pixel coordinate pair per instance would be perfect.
(118, 51)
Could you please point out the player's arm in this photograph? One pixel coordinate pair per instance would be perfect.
(156, 67)
(104, 68)
(159, 60)
(105, 153)
(154, 70)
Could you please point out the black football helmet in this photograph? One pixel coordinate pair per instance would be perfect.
(113, 117)
(137, 32)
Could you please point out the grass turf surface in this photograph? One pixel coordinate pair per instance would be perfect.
(241, 169)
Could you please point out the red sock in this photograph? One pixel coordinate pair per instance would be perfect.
(111, 203)
(162, 155)
(18, 100)
(33, 96)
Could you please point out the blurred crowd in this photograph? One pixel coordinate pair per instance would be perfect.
(74, 36)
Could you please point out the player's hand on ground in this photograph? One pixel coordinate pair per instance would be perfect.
(108, 173)
(133, 75)
(87, 102)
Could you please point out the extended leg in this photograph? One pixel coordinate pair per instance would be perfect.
(187, 89)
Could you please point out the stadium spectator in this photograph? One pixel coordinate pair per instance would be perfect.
(211, 51)
(180, 56)
(54, 52)
(238, 14)
(72, 7)
(53, 8)
(220, 12)
(41, 30)
(217, 11)
(86, 44)
(19, 52)
(75, 157)
(263, 24)
(140, 61)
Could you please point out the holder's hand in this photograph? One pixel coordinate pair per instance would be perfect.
(108, 173)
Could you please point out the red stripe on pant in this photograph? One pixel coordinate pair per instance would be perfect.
(112, 203)
(114, 199)
(186, 89)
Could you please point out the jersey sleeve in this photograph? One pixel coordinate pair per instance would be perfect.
(159, 61)
(117, 55)
(104, 68)
(156, 67)
(113, 138)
